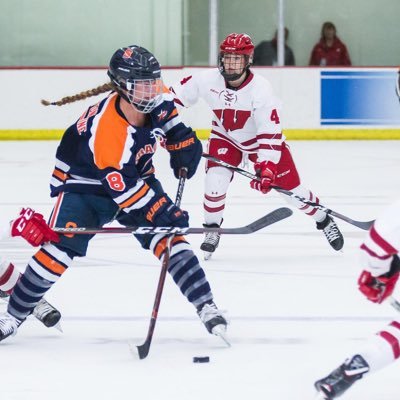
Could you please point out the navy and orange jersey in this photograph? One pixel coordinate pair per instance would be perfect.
(103, 154)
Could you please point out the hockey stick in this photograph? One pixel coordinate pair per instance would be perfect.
(143, 349)
(360, 224)
(268, 219)
(394, 303)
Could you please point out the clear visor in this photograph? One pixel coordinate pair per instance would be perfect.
(145, 94)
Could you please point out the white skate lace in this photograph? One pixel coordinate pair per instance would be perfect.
(209, 311)
(8, 324)
(212, 238)
(42, 309)
(331, 232)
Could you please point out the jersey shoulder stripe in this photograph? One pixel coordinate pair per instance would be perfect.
(111, 137)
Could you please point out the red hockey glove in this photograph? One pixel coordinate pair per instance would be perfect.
(266, 170)
(377, 289)
(33, 228)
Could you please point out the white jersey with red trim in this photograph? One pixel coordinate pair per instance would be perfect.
(248, 116)
(383, 241)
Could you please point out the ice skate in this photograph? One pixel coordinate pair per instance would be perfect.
(48, 315)
(331, 232)
(339, 380)
(8, 325)
(213, 320)
(211, 241)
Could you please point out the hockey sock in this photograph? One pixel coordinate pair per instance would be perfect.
(44, 268)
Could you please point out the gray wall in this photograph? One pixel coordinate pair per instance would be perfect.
(86, 32)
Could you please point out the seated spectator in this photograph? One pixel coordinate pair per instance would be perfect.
(330, 50)
(266, 52)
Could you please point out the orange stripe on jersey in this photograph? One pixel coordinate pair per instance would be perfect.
(136, 197)
(174, 112)
(110, 137)
(59, 174)
(49, 263)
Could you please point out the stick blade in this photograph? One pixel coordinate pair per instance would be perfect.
(269, 219)
(143, 350)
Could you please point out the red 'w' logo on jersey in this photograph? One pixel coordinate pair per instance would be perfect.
(232, 119)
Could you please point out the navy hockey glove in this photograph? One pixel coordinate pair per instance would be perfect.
(185, 153)
(163, 212)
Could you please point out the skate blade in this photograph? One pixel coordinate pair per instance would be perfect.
(320, 396)
(58, 327)
(207, 255)
(220, 331)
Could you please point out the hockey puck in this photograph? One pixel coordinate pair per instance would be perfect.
(201, 359)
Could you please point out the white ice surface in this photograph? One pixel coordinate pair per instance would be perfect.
(292, 301)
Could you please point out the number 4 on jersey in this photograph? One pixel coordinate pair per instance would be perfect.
(275, 117)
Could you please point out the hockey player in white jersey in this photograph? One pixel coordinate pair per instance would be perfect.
(377, 282)
(31, 226)
(246, 121)
(380, 258)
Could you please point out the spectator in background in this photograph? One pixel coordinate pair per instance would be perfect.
(330, 50)
(266, 52)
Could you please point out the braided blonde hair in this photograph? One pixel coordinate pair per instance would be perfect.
(107, 87)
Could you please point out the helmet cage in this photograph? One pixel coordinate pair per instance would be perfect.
(234, 76)
(144, 94)
(236, 44)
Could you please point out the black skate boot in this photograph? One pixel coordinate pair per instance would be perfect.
(211, 241)
(332, 232)
(338, 381)
(213, 320)
(48, 315)
(8, 325)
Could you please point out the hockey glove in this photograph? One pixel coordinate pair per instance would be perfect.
(266, 171)
(33, 228)
(377, 289)
(163, 212)
(185, 153)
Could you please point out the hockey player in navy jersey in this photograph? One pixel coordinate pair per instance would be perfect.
(104, 170)
(246, 121)
(31, 226)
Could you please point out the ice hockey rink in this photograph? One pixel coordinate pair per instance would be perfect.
(294, 309)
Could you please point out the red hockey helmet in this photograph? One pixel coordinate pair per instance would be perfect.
(238, 44)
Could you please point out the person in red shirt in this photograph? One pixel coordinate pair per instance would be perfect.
(330, 50)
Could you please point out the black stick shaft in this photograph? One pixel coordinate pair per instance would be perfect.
(360, 224)
(144, 349)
